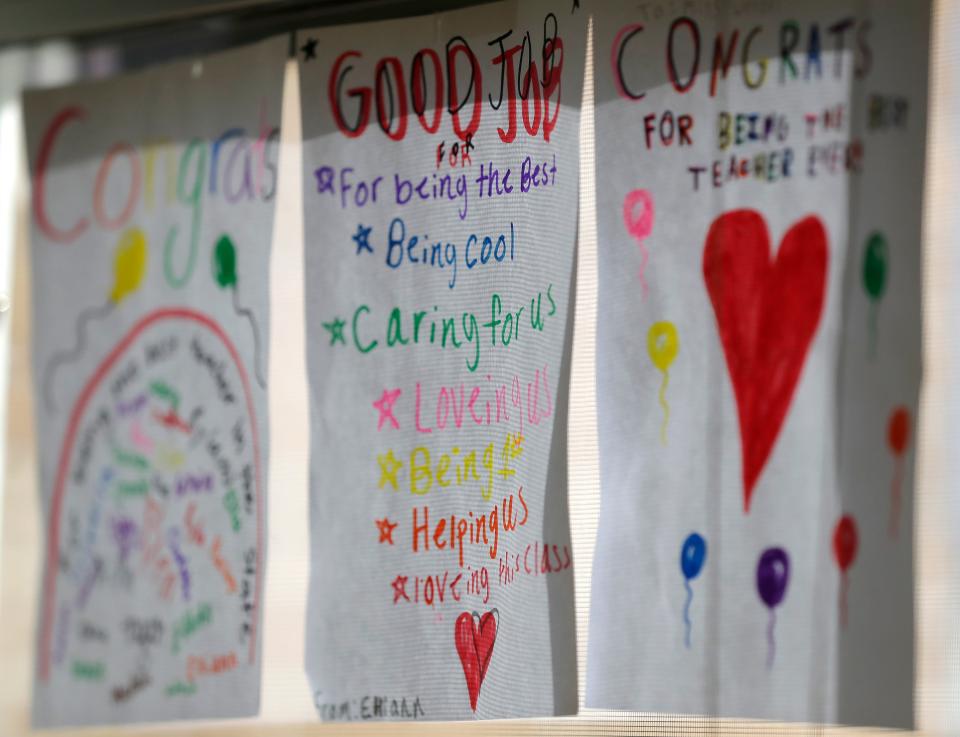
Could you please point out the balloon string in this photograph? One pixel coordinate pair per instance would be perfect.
(844, 584)
(644, 257)
(666, 407)
(771, 642)
(256, 337)
(69, 356)
(686, 610)
(894, 528)
(872, 331)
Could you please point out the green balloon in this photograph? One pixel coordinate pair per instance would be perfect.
(875, 265)
(225, 262)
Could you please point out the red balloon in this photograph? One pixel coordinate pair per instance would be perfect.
(845, 542)
(898, 430)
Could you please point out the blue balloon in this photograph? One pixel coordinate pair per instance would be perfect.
(692, 555)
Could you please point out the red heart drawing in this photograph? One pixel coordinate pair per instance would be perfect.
(474, 635)
(767, 309)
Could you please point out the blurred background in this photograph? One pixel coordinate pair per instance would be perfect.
(44, 43)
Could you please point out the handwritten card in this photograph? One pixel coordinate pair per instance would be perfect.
(440, 199)
(151, 217)
(759, 179)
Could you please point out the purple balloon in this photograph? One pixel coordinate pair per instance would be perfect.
(773, 573)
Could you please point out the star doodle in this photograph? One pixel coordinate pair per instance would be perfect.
(362, 239)
(388, 470)
(335, 327)
(309, 49)
(400, 588)
(385, 406)
(386, 528)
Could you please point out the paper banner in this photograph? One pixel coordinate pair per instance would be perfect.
(759, 176)
(440, 199)
(151, 218)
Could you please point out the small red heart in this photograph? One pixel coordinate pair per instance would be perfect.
(767, 309)
(475, 635)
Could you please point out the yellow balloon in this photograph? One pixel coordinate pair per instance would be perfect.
(129, 263)
(663, 344)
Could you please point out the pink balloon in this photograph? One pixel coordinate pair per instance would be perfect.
(638, 225)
